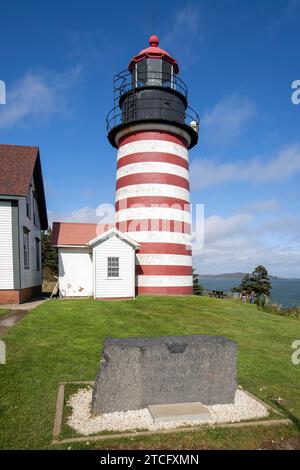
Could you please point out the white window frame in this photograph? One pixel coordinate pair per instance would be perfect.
(114, 267)
(26, 248)
(135, 75)
(172, 78)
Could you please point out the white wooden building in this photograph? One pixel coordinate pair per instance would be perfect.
(23, 215)
(94, 260)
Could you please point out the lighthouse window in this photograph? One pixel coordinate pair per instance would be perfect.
(113, 267)
(154, 72)
(141, 73)
(167, 74)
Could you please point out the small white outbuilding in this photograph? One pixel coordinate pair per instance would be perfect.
(102, 266)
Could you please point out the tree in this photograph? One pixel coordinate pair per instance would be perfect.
(197, 287)
(258, 282)
(49, 253)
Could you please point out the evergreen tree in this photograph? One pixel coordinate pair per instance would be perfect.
(197, 287)
(258, 282)
(49, 253)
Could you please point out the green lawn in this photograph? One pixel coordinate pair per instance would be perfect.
(61, 340)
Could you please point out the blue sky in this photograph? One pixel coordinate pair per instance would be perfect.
(238, 58)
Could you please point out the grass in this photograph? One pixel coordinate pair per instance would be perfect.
(292, 312)
(282, 437)
(61, 340)
(3, 311)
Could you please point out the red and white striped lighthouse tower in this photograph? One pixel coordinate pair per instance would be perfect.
(148, 127)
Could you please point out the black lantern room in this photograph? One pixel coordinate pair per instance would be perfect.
(150, 90)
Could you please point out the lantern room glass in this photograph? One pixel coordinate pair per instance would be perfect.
(153, 72)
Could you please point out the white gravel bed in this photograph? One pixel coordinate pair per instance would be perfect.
(244, 408)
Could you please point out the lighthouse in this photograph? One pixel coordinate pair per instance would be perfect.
(152, 127)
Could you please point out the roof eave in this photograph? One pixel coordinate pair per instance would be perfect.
(111, 231)
(39, 184)
(70, 246)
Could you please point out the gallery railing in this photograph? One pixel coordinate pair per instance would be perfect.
(124, 83)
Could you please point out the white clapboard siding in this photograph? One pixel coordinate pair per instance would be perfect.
(75, 272)
(6, 246)
(123, 286)
(29, 277)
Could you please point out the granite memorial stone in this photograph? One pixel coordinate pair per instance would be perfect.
(137, 372)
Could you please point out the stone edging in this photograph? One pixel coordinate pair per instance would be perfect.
(60, 410)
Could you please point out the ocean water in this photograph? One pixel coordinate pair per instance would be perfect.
(285, 292)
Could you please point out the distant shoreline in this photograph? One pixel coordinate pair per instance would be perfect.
(239, 276)
(285, 292)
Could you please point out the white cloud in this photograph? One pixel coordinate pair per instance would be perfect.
(270, 205)
(206, 173)
(37, 96)
(242, 255)
(219, 228)
(285, 230)
(84, 214)
(238, 244)
(227, 120)
(103, 214)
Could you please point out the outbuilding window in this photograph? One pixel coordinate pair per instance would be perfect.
(113, 267)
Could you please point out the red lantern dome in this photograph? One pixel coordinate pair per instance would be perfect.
(154, 52)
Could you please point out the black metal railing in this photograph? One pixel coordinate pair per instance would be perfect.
(125, 81)
(117, 116)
